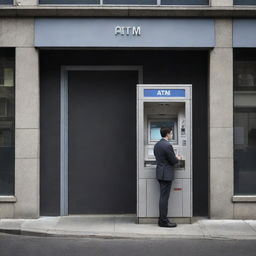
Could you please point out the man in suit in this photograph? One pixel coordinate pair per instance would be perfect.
(165, 161)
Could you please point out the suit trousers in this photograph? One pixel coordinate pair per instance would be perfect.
(165, 187)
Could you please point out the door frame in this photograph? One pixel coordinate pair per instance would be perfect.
(64, 123)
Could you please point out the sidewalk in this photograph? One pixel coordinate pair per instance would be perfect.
(126, 227)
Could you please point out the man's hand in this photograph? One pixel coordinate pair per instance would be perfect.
(179, 157)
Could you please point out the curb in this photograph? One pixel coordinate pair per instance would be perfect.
(118, 235)
(94, 235)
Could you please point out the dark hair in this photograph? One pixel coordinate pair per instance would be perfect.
(164, 131)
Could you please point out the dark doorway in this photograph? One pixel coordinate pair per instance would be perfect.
(102, 142)
(159, 67)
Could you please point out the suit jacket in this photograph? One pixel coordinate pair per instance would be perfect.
(165, 160)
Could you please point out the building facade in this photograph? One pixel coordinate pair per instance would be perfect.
(71, 68)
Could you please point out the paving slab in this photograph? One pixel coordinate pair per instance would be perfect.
(41, 224)
(252, 224)
(11, 224)
(228, 228)
(85, 223)
(181, 230)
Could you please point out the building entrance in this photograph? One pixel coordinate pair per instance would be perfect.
(100, 92)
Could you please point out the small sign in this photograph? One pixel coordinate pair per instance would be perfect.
(134, 30)
(164, 92)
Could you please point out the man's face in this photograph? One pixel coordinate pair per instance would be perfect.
(169, 135)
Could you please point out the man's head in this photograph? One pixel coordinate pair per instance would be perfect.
(166, 133)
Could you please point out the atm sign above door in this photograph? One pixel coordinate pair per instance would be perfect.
(164, 93)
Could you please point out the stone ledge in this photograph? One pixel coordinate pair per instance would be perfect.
(8, 199)
(245, 198)
(125, 11)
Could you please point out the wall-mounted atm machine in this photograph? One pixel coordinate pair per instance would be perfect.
(157, 106)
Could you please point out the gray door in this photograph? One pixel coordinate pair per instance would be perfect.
(102, 142)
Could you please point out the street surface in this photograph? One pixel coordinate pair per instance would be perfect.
(17, 245)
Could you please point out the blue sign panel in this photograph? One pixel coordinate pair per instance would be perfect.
(164, 92)
(244, 33)
(124, 32)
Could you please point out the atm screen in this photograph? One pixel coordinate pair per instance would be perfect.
(155, 129)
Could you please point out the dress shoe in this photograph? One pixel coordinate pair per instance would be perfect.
(167, 225)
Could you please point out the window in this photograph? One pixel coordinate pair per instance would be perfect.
(7, 118)
(127, 2)
(244, 2)
(6, 2)
(69, 1)
(185, 2)
(131, 2)
(245, 122)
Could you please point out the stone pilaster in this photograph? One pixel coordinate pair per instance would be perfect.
(221, 122)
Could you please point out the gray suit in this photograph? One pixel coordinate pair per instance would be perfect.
(165, 160)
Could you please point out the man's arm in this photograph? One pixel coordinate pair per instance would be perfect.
(171, 155)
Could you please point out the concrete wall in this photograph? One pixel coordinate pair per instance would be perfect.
(19, 33)
(221, 3)
(26, 2)
(221, 122)
(221, 130)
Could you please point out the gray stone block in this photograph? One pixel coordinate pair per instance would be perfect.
(221, 87)
(245, 211)
(221, 142)
(221, 3)
(28, 2)
(6, 210)
(27, 188)
(27, 88)
(221, 188)
(15, 32)
(27, 143)
(223, 36)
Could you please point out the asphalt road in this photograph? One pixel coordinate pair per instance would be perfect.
(16, 245)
